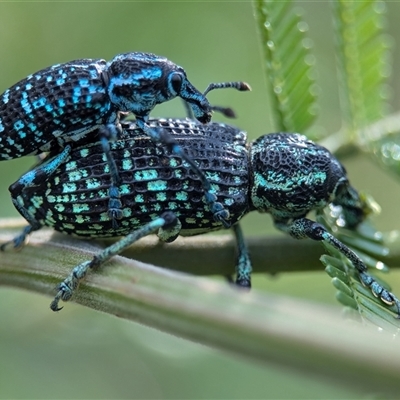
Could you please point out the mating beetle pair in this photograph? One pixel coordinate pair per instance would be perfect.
(91, 187)
(83, 100)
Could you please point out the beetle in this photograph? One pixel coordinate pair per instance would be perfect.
(282, 174)
(83, 100)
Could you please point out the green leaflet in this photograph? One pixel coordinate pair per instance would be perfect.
(288, 63)
(363, 62)
(350, 292)
(364, 58)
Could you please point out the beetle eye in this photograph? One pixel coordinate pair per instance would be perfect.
(175, 81)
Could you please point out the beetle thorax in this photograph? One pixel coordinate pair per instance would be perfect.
(291, 175)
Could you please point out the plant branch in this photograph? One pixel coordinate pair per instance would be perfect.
(267, 329)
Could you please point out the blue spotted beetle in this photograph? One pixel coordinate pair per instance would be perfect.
(282, 174)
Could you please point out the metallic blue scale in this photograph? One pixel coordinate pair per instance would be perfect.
(179, 206)
(69, 102)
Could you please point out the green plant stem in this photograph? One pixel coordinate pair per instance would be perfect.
(338, 143)
(269, 329)
(203, 255)
(199, 255)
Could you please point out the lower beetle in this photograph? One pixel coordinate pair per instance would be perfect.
(283, 174)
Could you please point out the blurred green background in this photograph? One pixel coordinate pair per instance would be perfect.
(80, 353)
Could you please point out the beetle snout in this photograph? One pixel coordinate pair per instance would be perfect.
(204, 118)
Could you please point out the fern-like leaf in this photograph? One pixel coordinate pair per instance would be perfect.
(288, 63)
(363, 61)
(369, 246)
